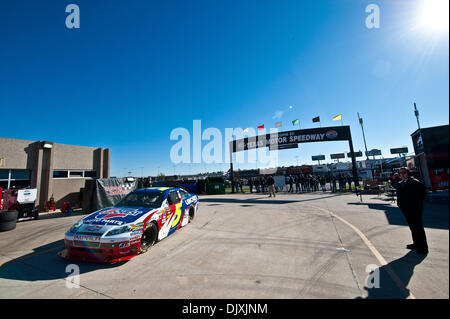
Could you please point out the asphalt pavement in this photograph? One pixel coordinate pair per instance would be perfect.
(294, 246)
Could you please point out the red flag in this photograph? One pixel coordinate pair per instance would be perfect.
(261, 127)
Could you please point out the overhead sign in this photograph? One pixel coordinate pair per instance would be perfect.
(282, 146)
(401, 150)
(373, 152)
(357, 154)
(336, 156)
(318, 158)
(274, 140)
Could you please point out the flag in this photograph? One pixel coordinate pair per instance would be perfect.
(296, 122)
(261, 127)
(337, 117)
(316, 119)
(277, 124)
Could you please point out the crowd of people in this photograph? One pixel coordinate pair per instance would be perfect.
(313, 183)
(303, 183)
(258, 184)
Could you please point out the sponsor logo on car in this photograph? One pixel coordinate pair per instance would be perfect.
(86, 238)
(116, 212)
(93, 228)
(137, 227)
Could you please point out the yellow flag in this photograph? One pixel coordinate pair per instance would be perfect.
(337, 117)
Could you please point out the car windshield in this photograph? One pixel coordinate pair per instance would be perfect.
(142, 199)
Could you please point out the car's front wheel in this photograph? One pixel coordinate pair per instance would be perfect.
(149, 238)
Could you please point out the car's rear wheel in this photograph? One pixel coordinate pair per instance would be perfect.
(149, 238)
(191, 213)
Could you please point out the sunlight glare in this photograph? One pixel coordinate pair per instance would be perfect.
(434, 15)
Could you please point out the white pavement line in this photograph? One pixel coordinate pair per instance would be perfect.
(372, 248)
(355, 277)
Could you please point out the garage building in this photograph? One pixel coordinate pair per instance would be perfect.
(56, 170)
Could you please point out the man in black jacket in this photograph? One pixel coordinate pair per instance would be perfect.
(271, 183)
(410, 197)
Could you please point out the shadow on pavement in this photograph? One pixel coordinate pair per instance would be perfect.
(44, 264)
(434, 216)
(261, 200)
(387, 288)
(60, 215)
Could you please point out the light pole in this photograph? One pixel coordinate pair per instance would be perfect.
(416, 113)
(364, 136)
(365, 144)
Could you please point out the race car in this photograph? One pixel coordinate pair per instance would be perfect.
(131, 227)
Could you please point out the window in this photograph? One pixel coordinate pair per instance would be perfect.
(92, 174)
(73, 174)
(142, 199)
(20, 174)
(173, 198)
(19, 178)
(4, 174)
(185, 195)
(60, 174)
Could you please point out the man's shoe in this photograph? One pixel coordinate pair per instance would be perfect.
(411, 246)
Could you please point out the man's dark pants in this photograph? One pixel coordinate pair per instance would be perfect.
(415, 223)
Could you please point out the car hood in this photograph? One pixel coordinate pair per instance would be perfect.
(116, 216)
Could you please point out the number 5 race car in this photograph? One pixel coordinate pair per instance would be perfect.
(131, 227)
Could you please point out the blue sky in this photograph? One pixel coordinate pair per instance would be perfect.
(135, 70)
